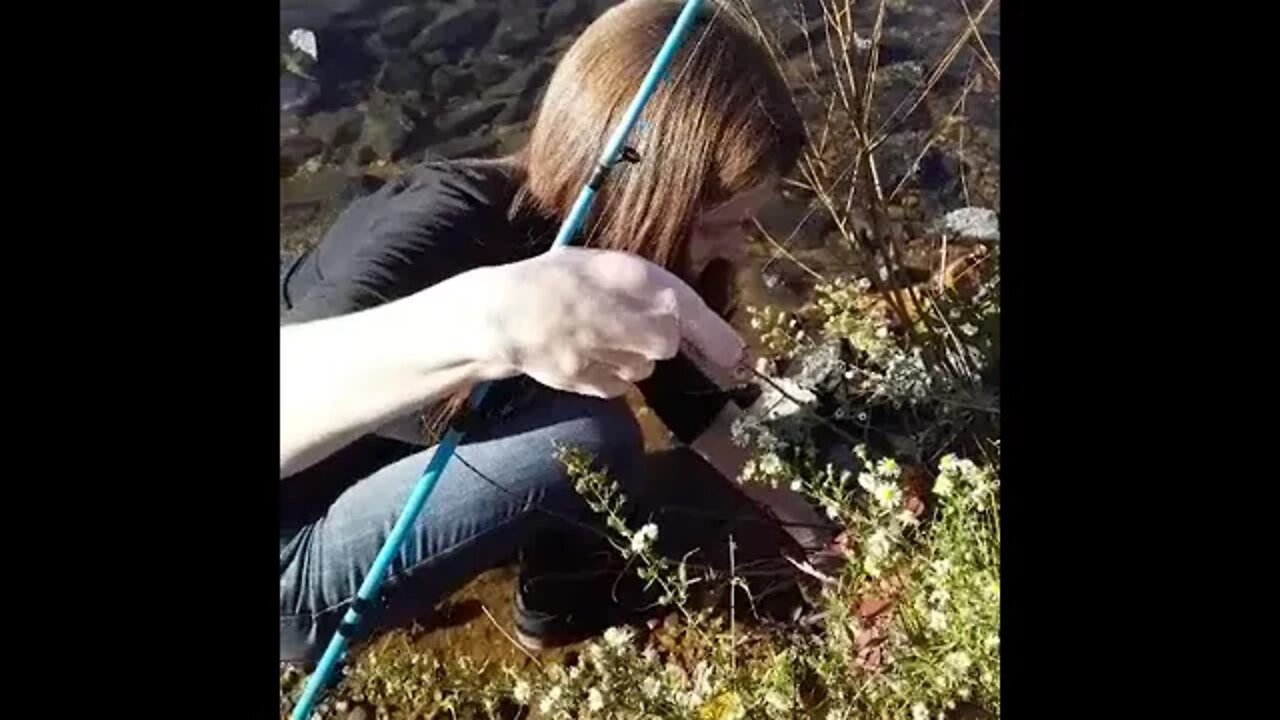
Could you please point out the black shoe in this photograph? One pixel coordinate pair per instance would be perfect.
(564, 608)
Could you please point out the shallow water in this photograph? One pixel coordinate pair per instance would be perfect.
(392, 91)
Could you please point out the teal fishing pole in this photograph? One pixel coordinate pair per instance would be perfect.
(615, 150)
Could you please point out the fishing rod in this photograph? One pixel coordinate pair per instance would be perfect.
(615, 150)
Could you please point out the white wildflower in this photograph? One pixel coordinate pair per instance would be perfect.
(522, 691)
(867, 482)
(941, 567)
(947, 463)
(992, 642)
(879, 544)
(649, 687)
(616, 637)
(968, 329)
(644, 537)
(549, 700)
(888, 468)
(595, 700)
(980, 488)
(939, 596)
(959, 660)
(943, 485)
(833, 512)
(882, 332)
(650, 654)
(906, 517)
(771, 464)
(937, 620)
(919, 711)
(777, 701)
(888, 495)
(796, 486)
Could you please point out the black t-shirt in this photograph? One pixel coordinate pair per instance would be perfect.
(440, 219)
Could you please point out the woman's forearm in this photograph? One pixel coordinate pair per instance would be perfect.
(574, 319)
(343, 377)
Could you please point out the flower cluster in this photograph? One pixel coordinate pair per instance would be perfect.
(780, 332)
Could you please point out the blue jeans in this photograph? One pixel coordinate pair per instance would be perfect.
(467, 526)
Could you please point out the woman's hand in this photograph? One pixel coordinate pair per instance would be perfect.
(589, 321)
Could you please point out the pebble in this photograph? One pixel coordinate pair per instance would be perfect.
(560, 14)
(973, 223)
(339, 127)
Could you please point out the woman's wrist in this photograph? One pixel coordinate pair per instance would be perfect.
(464, 329)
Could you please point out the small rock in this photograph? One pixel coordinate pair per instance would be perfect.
(296, 150)
(290, 125)
(296, 92)
(337, 128)
(492, 70)
(359, 712)
(527, 80)
(469, 25)
(387, 128)
(448, 80)
(561, 14)
(435, 59)
(972, 223)
(892, 53)
(469, 117)
(465, 147)
(399, 24)
(402, 76)
(516, 33)
(938, 171)
(377, 47)
(896, 85)
(820, 369)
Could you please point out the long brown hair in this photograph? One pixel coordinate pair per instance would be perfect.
(722, 122)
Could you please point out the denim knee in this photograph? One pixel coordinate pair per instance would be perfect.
(605, 428)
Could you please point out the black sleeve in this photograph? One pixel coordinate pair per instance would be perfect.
(432, 223)
(684, 398)
(425, 227)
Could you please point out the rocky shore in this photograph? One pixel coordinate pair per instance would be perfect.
(397, 82)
